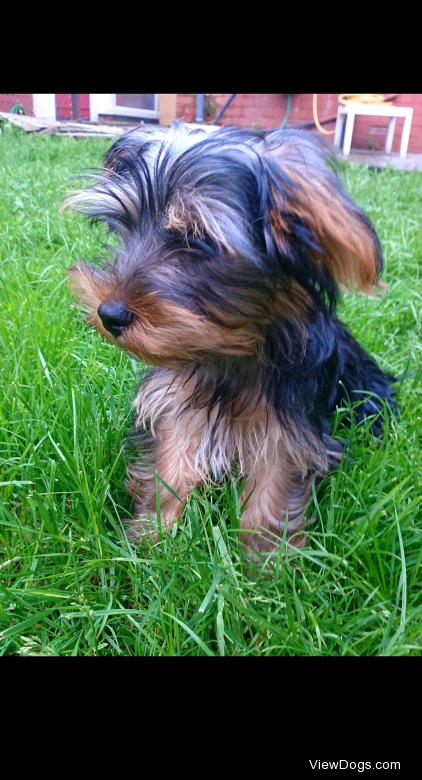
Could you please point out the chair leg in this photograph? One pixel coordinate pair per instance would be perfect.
(390, 135)
(350, 120)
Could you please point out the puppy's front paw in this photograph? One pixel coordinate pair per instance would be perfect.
(141, 526)
(147, 526)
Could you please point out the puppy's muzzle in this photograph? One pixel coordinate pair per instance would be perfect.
(115, 317)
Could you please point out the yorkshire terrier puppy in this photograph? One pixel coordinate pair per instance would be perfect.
(234, 246)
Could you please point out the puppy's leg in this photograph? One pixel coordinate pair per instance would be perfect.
(277, 493)
(163, 455)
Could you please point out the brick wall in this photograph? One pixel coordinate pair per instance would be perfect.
(8, 101)
(268, 111)
(63, 104)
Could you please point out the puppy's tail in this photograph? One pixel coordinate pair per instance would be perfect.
(362, 383)
(308, 201)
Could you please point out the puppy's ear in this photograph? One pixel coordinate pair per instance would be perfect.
(309, 205)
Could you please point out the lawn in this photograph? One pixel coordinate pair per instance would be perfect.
(70, 581)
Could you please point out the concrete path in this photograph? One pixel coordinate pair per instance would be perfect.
(412, 162)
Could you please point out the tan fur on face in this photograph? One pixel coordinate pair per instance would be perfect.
(169, 335)
(162, 333)
(87, 285)
(184, 336)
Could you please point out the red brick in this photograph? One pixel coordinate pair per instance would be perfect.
(269, 109)
(243, 101)
(251, 113)
(7, 101)
(234, 112)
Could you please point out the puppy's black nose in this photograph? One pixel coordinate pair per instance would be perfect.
(115, 317)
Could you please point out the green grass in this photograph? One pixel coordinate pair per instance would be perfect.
(70, 581)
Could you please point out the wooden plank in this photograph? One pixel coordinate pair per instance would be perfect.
(47, 126)
(90, 135)
(27, 123)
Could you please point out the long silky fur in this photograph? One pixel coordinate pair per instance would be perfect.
(234, 248)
